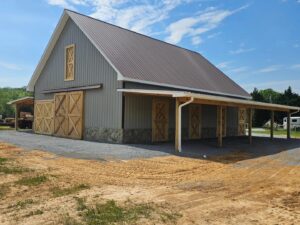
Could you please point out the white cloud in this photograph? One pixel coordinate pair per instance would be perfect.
(296, 66)
(237, 70)
(138, 16)
(296, 45)
(241, 50)
(10, 66)
(224, 65)
(213, 35)
(61, 3)
(269, 69)
(194, 26)
(196, 40)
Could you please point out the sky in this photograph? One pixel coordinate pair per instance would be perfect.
(255, 42)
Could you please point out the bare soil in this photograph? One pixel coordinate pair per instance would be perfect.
(232, 189)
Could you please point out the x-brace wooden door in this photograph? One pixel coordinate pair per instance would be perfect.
(68, 114)
(194, 121)
(160, 119)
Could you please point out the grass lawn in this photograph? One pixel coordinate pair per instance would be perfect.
(294, 134)
(6, 128)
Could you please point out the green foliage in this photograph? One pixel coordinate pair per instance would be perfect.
(111, 213)
(260, 117)
(9, 94)
(57, 191)
(22, 204)
(33, 213)
(32, 181)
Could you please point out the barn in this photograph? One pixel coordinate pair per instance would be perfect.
(96, 81)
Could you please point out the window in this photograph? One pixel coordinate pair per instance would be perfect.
(294, 120)
(69, 62)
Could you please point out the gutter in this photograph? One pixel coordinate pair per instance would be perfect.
(179, 122)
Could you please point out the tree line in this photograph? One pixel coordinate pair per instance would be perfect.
(8, 94)
(288, 97)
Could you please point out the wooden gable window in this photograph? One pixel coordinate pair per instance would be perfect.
(69, 62)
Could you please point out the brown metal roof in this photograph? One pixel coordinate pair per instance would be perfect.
(139, 58)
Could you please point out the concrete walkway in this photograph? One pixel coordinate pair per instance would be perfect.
(204, 148)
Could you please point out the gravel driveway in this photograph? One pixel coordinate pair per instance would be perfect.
(261, 146)
(80, 148)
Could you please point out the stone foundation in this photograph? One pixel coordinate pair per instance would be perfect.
(142, 136)
(104, 135)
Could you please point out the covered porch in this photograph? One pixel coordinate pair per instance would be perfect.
(24, 108)
(245, 112)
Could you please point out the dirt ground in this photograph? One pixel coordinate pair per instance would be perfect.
(232, 189)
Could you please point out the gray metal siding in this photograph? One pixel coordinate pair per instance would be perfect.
(138, 114)
(103, 107)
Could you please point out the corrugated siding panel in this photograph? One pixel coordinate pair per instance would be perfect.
(102, 107)
(232, 117)
(209, 116)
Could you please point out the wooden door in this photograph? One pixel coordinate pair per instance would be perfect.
(75, 111)
(160, 120)
(223, 120)
(61, 115)
(195, 121)
(43, 117)
(242, 112)
(68, 114)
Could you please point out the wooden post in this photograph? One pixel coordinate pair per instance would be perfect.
(177, 125)
(272, 125)
(288, 127)
(250, 114)
(17, 117)
(219, 126)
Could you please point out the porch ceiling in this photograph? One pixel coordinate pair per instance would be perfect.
(212, 100)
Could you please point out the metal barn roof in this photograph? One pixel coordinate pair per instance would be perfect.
(142, 59)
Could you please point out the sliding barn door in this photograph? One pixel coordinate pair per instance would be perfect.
(43, 117)
(160, 120)
(75, 112)
(222, 110)
(242, 121)
(194, 121)
(68, 113)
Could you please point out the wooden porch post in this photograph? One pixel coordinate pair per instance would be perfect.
(177, 125)
(219, 126)
(250, 114)
(272, 125)
(288, 127)
(17, 117)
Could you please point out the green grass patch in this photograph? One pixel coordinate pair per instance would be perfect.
(294, 134)
(32, 181)
(167, 217)
(111, 213)
(67, 220)
(12, 169)
(7, 168)
(6, 128)
(3, 190)
(33, 213)
(22, 204)
(3, 160)
(58, 192)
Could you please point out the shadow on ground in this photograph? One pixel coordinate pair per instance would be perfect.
(233, 150)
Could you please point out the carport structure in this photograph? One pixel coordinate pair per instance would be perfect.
(245, 107)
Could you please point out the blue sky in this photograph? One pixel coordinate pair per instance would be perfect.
(256, 43)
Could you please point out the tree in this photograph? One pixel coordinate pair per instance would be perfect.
(9, 94)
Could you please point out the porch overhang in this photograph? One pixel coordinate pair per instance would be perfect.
(212, 99)
(185, 98)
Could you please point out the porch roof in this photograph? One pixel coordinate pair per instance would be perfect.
(22, 101)
(212, 99)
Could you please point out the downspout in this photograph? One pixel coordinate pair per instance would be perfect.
(179, 122)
